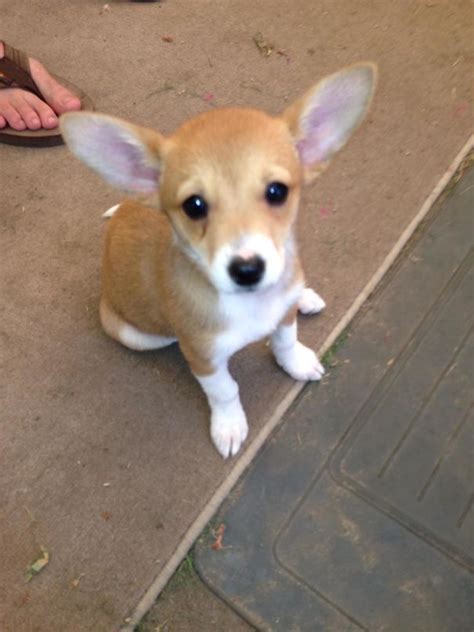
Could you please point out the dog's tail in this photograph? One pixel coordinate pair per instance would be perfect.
(112, 210)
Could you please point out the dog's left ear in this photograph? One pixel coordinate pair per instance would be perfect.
(322, 120)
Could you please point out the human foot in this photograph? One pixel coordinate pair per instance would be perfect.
(21, 109)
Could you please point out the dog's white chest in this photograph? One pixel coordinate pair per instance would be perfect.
(251, 316)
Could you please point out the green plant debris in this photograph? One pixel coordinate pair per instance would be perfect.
(184, 573)
(38, 565)
(329, 358)
(186, 568)
(466, 164)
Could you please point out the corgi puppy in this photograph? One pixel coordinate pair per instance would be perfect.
(205, 253)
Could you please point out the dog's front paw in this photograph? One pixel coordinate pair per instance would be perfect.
(229, 429)
(310, 302)
(301, 363)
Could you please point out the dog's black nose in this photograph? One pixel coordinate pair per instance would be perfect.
(246, 272)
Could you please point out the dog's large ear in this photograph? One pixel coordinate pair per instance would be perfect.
(322, 120)
(125, 155)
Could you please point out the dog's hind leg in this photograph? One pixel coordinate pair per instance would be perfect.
(127, 334)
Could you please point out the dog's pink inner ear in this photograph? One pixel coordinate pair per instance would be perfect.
(331, 113)
(125, 155)
(124, 161)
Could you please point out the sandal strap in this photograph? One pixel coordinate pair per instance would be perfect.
(15, 70)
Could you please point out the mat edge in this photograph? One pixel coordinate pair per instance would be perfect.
(154, 590)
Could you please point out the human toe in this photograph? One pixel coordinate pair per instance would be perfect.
(10, 114)
(57, 96)
(30, 117)
(48, 117)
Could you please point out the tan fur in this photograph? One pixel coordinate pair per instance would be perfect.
(230, 155)
(147, 280)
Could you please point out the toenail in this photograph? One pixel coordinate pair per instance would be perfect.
(52, 119)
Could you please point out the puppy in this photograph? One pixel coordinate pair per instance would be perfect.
(210, 260)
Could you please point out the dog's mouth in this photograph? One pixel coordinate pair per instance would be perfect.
(248, 290)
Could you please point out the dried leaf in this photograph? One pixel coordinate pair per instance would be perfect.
(218, 535)
(265, 48)
(75, 582)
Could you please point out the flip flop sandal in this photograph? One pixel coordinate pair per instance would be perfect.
(15, 72)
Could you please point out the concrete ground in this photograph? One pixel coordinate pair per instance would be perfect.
(105, 455)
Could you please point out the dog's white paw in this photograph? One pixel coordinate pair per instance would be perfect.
(310, 302)
(301, 363)
(229, 429)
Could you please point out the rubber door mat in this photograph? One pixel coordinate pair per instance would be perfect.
(358, 513)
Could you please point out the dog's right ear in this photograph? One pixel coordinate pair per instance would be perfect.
(125, 155)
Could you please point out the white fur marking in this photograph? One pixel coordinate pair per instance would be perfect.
(297, 360)
(250, 316)
(137, 340)
(229, 427)
(310, 302)
(112, 210)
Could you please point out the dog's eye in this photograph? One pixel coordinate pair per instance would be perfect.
(276, 193)
(195, 207)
